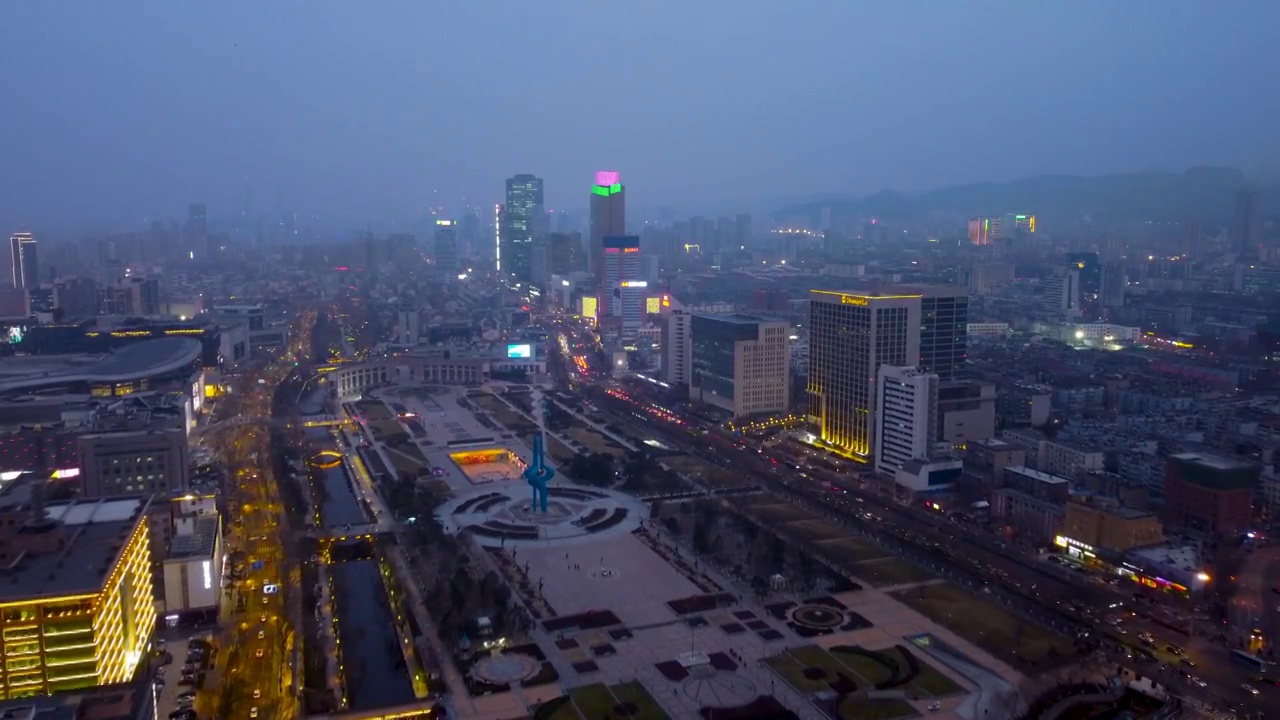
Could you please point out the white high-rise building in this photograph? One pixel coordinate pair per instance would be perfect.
(1060, 293)
(624, 288)
(906, 415)
(22, 255)
(677, 348)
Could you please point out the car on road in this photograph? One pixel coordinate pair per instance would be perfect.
(1173, 649)
(259, 653)
(262, 634)
(1251, 689)
(253, 712)
(257, 693)
(1188, 662)
(187, 714)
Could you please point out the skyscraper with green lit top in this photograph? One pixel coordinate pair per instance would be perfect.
(608, 216)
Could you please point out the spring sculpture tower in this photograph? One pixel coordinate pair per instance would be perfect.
(539, 473)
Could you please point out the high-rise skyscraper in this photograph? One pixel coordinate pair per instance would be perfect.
(26, 267)
(850, 336)
(1246, 222)
(944, 328)
(622, 289)
(608, 216)
(524, 204)
(445, 250)
(1090, 268)
(195, 234)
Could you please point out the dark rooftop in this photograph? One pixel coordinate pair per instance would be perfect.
(96, 532)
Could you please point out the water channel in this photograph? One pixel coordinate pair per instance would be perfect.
(374, 665)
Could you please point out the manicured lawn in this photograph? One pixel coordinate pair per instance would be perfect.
(890, 571)
(405, 465)
(593, 701)
(870, 670)
(595, 442)
(814, 656)
(646, 707)
(819, 530)
(856, 707)
(565, 712)
(600, 700)
(858, 550)
(930, 680)
(793, 672)
(373, 410)
(1012, 639)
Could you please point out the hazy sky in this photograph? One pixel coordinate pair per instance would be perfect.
(369, 110)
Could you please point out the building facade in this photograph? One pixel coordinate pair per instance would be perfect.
(739, 364)
(1104, 523)
(25, 261)
(193, 570)
(850, 336)
(944, 330)
(622, 287)
(1209, 495)
(608, 216)
(677, 348)
(125, 463)
(523, 206)
(79, 609)
(445, 248)
(906, 406)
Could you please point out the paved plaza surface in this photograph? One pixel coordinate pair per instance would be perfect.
(624, 576)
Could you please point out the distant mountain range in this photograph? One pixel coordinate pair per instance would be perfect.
(1202, 194)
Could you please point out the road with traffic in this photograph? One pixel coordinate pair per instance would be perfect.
(261, 644)
(1071, 600)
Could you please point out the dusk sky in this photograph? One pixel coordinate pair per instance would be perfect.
(355, 112)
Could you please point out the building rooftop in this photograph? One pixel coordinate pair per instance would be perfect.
(131, 362)
(1183, 557)
(196, 544)
(105, 702)
(95, 533)
(738, 318)
(1216, 462)
(995, 444)
(1043, 477)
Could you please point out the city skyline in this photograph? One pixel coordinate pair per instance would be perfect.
(322, 150)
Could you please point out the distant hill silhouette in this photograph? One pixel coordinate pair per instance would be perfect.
(1200, 193)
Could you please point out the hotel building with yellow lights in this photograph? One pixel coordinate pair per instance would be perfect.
(851, 335)
(76, 602)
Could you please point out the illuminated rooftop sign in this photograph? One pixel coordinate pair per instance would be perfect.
(608, 177)
(861, 300)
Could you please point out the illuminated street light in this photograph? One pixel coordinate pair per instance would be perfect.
(1202, 576)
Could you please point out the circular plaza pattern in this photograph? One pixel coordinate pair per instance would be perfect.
(505, 668)
(503, 514)
(714, 688)
(818, 617)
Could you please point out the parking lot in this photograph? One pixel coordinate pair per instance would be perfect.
(188, 663)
